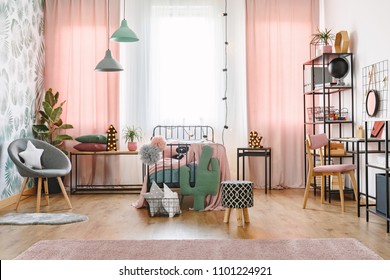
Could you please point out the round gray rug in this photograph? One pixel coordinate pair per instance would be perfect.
(41, 218)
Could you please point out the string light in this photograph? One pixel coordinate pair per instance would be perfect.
(225, 70)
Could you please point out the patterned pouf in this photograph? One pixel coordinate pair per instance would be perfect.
(238, 195)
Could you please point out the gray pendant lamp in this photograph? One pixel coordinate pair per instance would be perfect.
(124, 33)
(108, 63)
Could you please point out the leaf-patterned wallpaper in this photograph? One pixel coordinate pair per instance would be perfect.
(21, 79)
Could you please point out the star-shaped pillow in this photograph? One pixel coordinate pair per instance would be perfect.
(171, 202)
(32, 156)
(154, 199)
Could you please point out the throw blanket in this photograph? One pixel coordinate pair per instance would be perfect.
(213, 202)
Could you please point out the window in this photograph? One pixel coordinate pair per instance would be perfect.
(186, 58)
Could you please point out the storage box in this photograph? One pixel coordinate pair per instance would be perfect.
(381, 193)
(336, 149)
(163, 206)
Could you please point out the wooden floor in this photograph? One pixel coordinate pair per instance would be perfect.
(274, 216)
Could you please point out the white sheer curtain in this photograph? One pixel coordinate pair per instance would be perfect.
(184, 62)
(173, 75)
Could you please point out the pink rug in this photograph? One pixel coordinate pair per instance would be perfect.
(199, 249)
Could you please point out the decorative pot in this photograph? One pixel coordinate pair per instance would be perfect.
(132, 146)
(327, 49)
(318, 52)
(54, 186)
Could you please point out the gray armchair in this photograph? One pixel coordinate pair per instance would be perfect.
(55, 164)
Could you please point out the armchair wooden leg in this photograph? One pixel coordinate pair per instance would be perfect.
(64, 192)
(21, 192)
(46, 187)
(39, 193)
(341, 187)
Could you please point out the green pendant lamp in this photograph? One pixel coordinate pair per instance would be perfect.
(124, 33)
(108, 63)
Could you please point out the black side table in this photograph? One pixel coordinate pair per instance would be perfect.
(256, 152)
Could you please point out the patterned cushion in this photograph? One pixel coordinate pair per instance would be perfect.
(237, 194)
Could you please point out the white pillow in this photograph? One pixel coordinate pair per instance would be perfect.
(168, 193)
(171, 202)
(154, 199)
(32, 156)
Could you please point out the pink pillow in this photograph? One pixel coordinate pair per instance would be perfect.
(94, 147)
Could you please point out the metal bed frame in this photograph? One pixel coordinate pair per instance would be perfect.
(185, 135)
(185, 132)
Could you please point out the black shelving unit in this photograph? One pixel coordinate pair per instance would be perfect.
(370, 206)
(322, 97)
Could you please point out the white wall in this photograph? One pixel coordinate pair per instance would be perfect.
(367, 23)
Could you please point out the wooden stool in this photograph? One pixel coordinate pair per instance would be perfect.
(239, 195)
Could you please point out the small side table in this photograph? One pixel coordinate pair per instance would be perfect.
(256, 152)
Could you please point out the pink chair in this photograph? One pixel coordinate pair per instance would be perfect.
(317, 143)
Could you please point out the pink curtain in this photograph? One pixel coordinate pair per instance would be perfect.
(75, 41)
(278, 37)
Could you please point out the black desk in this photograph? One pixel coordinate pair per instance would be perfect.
(256, 152)
(353, 147)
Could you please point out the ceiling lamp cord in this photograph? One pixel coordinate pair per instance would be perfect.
(225, 70)
(108, 63)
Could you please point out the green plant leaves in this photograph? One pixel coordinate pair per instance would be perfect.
(41, 129)
(51, 98)
(65, 126)
(63, 137)
(51, 121)
(56, 114)
(48, 109)
(132, 133)
(44, 117)
(51, 115)
(323, 36)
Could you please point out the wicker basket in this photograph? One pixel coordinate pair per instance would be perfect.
(320, 113)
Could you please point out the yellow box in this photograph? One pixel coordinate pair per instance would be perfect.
(336, 149)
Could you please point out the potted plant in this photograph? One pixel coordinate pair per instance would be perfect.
(50, 122)
(132, 133)
(49, 126)
(323, 37)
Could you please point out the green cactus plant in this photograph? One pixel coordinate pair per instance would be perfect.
(207, 181)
